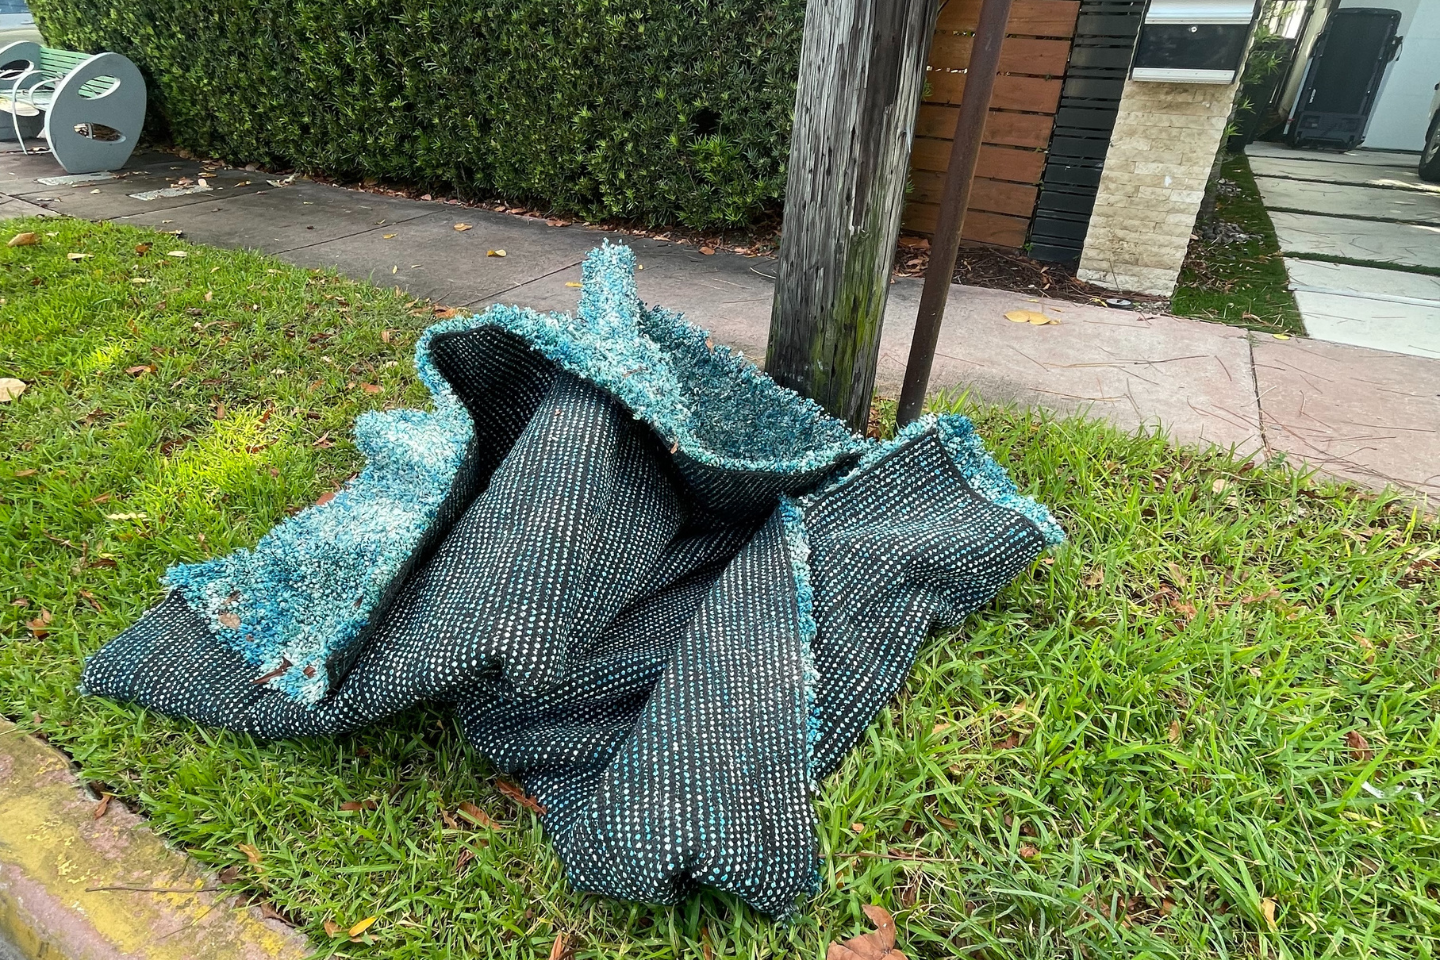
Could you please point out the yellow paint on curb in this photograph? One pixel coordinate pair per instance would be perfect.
(55, 857)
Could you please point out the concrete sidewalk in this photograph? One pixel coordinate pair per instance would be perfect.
(1362, 414)
(1367, 206)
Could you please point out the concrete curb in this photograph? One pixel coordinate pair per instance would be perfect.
(68, 881)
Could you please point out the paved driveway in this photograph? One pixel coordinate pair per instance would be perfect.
(1369, 208)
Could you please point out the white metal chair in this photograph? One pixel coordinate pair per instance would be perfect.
(90, 107)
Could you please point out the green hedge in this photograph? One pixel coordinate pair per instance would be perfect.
(662, 111)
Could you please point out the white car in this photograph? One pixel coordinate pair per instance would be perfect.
(1430, 153)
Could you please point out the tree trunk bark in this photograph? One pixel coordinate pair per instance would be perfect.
(862, 70)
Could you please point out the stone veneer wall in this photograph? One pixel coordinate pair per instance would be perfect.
(1159, 159)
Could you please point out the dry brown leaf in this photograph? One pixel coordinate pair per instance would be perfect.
(1174, 731)
(40, 626)
(140, 369)
(1219, 485)
(1360, 750)
(372, 388)
(884, 925)
(324, 498)
(708, 251)
(385, 336)
(445, 313)
(1094, 578)
(26, 239)
(462, 227)
(27, 472)
(463, 860)
(879, 945)
(332, 929)
(1034, 317)
(10, 388)
(251, 853)
(946, 822)
(514, 792)
(477, 816)
(324, 442)
(1267, 907)
(857, 827)
(1186, 610)
(561, 948)
(229, 620)
(101, 807)
(1029, 851)
(219, 411)
(1271, 594)
(350, 806)
(230, 874)
(362, 926)
(268, 912)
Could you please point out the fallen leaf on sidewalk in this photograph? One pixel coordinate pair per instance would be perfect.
(494, 253)
(445, 313)
(26, 239)
(707, 251)
(879, 945)
(1029, 316)
(10, 388)
(387, 236)
(462, 227)
(1281, 336)
(101, 807)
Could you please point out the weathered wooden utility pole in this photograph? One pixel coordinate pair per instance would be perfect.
(959, 175)
(862, 70)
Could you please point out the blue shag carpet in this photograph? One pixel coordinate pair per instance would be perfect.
(663, 592)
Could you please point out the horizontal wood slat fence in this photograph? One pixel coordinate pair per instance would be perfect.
(1017, 132)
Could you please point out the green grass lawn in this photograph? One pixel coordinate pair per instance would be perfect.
(1245, 283)
(1156, 743)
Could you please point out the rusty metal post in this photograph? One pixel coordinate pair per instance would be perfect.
(959, 174)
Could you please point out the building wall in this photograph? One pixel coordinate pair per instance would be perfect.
(1165, 140)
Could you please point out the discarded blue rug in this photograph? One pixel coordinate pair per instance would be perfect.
(663, 592)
